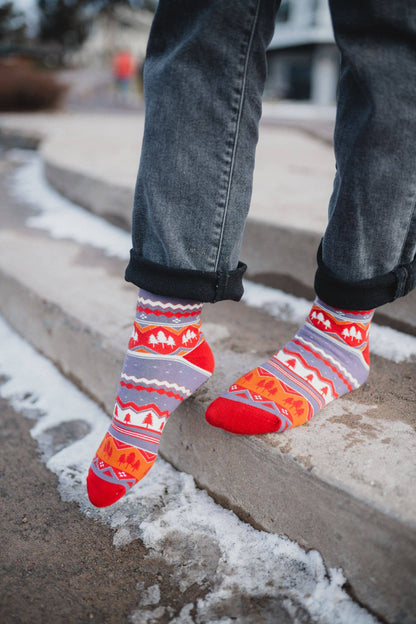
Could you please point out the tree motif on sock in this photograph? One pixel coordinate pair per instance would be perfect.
(327, 358)
(166, 361)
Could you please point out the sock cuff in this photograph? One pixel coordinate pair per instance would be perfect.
(160, 310)
(150, 298)
(354, 316)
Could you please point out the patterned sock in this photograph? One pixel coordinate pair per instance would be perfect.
(167, 359)
(327, 358)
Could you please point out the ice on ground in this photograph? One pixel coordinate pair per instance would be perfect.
(65, 219)
(150, 596)
(392, 344)
(384, 341)
(206, 544)
(61, 217)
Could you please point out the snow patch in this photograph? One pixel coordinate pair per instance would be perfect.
(150, 596)
(147, 617)
(65, 219)
(205, 543)
(61, 217)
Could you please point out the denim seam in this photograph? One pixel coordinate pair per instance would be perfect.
(400, 274)
(406, 236)
(236, 133)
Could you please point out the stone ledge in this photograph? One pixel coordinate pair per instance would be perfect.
(277, 256)
(323, 484)
(285, 257)
(343, 484)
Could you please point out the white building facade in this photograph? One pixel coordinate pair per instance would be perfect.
(303, 58)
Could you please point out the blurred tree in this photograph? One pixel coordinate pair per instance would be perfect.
(150, 5)
(65, 23)
(12, 24)
(109, 6)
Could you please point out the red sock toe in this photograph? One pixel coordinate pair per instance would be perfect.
(328, 357)
(236, 417)
(103, 493)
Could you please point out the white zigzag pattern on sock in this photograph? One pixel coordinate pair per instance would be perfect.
(343, 370)
(343, 345)
(171, 306)
(176, 324)
(157, 382)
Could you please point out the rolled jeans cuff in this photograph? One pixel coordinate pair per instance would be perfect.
(365, 294)
(204, 286)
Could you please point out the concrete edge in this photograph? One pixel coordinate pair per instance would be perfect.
(323, 132)
(109, 201)
(286, 259)
(346, 531)
(13, 138)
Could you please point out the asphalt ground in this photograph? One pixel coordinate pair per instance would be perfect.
(57, 565)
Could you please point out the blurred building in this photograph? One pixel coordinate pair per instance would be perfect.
(303, 58)
(122, 27)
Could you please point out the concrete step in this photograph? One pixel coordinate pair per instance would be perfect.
(342, 484)
(292, 183)
(279, 256)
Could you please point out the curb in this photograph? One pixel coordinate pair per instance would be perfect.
(106, 200)
(266, 481)
(285, 259)
(272, 482)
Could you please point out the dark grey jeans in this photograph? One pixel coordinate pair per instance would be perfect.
(204, 76)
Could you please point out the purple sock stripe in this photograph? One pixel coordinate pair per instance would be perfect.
(174, 370)
(140, 399)
(159, 310)
(340, 381)
(134, 440)
(150, 389)
(160, 319)
(146, 319)
(344, 357)
(334, 337)
(325, 361)
(152, 436)
(308, 368)
(154, 385)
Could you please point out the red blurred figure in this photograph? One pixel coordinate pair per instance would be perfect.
(124, 69)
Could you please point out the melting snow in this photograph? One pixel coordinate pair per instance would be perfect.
(65, 219)
(61, 217)
(206, 543)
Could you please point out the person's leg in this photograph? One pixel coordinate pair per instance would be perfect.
(204, 76)
(167, 360)
(203, 81)
(367, 257)
(327, 358)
